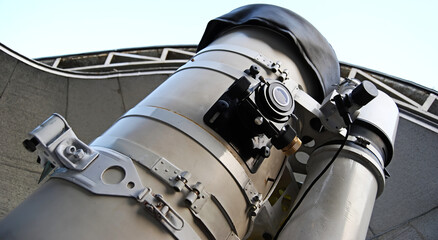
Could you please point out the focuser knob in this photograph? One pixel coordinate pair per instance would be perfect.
(364, 93)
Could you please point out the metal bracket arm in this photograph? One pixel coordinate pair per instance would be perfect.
(57, 143)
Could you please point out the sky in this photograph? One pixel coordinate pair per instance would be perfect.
(396, 37)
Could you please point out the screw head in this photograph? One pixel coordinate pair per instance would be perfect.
(265, 151)
(70, 150)
(258, 121)
(223, 105)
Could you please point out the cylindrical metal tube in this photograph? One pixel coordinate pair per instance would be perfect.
(340, 204)
(169, 123)
(201, 166)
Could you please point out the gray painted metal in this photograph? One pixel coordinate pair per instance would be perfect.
(199, 88)
(348, 187)
(204, 138)
(31, 91)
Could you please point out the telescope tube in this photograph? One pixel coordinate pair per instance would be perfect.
(164, 170)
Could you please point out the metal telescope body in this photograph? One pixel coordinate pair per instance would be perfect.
(212, 152)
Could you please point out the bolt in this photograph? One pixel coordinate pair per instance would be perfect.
(258, 121)
(149, 207)
(254, 70)
(252, 210)
(79, 154)
(70, 150)
(282, 77)
(223, 105)
(275, 67)
(158, 196)
(362, 141)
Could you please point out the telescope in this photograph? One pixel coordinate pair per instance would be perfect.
(256, 137)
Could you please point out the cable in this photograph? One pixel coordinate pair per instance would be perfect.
(314, 182)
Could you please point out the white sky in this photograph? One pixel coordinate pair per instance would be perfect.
(397, 37)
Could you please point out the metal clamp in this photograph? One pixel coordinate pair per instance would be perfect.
(200, 135)
(74, 161)
(169, 217)
(159, 166)
(251, 54)
(365, 143)
(256, 199)
(194, 194)
(57, 143)
(158, 207)
(93, 179)
(174, 177)
(181, 181)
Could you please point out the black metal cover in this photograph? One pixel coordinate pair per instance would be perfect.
(313, 46)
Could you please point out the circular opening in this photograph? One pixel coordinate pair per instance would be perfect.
(302, 157)
(267, 236)
(130, 185)
(316, 125)
(113, 175)
(310, 144)
(281, 96)
(308, 141)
